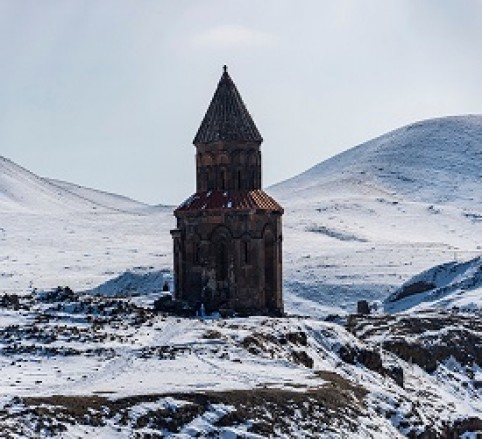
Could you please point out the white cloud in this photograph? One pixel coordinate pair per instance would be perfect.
(234, 36)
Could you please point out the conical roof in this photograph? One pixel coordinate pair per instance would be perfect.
(227, 118)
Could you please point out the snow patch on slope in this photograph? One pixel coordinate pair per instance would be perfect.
(136, 282)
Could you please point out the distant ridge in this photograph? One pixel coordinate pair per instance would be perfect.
(23, 190)
(435, 161)
(106, 199)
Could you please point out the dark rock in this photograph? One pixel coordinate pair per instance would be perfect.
(60, 294)
(168, 305)
(425, 340)
(413, 353)
(363, 307)
(10, 301)
(163, 302)
(410, 290)
(371, 359)
(298, 337)
(353, 355)
(397, 374)
(301, 357)
(460, 426)
(464, 346)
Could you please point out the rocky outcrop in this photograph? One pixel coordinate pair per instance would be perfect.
(425, 340)
(372, 360)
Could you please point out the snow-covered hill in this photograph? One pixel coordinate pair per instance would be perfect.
(54, 232)
(437, 161)
(357, 226)
(101, 198)
(365, 221)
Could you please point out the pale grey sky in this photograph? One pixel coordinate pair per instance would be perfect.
(110, 93)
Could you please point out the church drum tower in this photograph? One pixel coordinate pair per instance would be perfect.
(228, 236)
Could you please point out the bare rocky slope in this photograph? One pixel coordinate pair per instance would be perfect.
(75, 364)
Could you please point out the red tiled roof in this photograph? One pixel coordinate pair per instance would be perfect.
(230, 200)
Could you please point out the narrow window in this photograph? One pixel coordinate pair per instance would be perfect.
(246, 252)
(196, 253)
(201, 180)
(239, 180)
(222, 180)
(205, 181)
(210, 179)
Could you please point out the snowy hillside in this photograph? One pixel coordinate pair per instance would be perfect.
(356, 226)
(365, 221)
(106, 199)
(93, 357)
(437, 161)
(53, 232)
(74, 364)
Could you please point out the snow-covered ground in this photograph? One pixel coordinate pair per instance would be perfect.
(357, 226)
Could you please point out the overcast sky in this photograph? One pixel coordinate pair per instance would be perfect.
(109, 94)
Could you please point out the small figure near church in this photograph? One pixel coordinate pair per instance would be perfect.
(228, 238)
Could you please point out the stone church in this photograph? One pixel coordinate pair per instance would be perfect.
(228, 236)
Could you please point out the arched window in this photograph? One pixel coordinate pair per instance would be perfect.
(252, 158)
(239, 179)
